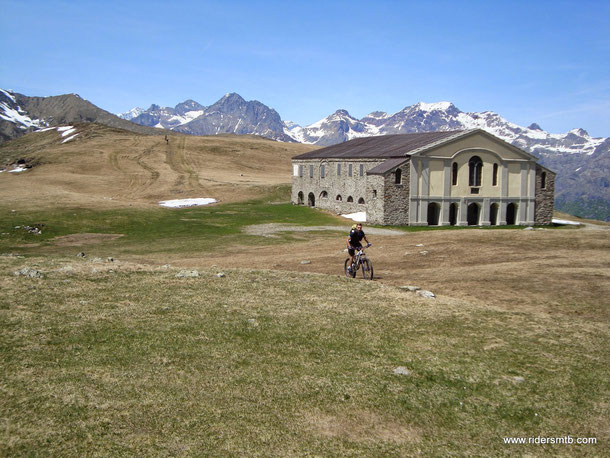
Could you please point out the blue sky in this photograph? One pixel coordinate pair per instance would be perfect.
(536, 61)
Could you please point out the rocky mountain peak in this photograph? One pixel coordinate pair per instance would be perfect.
(534, 126)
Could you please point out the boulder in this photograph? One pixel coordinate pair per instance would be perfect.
(187, 274)
(425, 294)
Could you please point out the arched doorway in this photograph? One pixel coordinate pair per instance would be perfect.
(473, 214)
(493, 214)
(311, 200)
(511, 214)
(300, 198)
(434, 211)
(453, 211)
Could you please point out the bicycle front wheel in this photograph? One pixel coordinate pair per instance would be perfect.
(348, 274)
(367, 269)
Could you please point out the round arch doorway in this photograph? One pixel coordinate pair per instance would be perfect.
(473, 214)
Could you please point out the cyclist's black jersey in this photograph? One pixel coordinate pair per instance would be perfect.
(355, 237)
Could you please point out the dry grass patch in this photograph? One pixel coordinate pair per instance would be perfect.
(130, 360)
(361, 426)
(84, 239)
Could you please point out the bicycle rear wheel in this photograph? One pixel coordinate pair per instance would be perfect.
(347, 272)
(367, 269)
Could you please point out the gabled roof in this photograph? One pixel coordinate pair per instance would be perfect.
(384, 146)
(385, 166)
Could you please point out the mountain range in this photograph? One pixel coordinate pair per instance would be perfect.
(582, 162)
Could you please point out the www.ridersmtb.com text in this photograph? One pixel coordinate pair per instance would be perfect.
(550, 440)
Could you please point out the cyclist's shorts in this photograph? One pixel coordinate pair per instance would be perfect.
(352, 249)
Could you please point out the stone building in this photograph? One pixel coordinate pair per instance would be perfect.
(458, 178)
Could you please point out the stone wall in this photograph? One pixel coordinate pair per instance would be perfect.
(332, 191)
(396, 197)
(375, 190)
(545, 198)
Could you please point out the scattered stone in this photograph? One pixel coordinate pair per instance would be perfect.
(33, 230)
(425, 293)
(410, 288)
(96, 260)
(252, 322)
(81, 255)
(109, 259)
(518, 379)
(306, 262)
(424, 253)
(406, 253)
(29, 272)
(187, 274)
(166, 266)
(214, 266)
(67, 269)
(94, 270)
(420, 244)
(220, 275)
(529, 228)
(400, 370)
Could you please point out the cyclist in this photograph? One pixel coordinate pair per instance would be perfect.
(354, 242)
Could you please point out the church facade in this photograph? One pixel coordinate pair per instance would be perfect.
(427, 179)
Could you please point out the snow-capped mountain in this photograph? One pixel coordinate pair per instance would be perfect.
(20, 114)
(133, 113)
(14, 120)
(427, 117)
(229, 115)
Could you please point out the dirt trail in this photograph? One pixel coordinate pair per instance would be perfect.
(269, 230)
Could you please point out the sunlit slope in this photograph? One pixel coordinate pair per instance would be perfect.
(107, 166)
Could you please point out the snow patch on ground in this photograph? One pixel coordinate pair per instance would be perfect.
(67, 132)
(64, 128)
(359, 217)
(565, 221)
(17, 170)
(177, 203)
(69, 138)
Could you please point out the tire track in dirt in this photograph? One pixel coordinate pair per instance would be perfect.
(154, 173)
(176, 158)
(119, 160)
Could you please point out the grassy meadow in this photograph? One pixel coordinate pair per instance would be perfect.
(282, 355)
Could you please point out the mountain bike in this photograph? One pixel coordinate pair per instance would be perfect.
(362, 263)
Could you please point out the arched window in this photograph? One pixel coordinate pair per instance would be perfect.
(543, 180)
(339, 198)
(454, 170)
(494, 180)
(300, 198)
(361, 200)
(311, 200)
(323, 195)
(398, 176)
(475, 165)
(350, 199)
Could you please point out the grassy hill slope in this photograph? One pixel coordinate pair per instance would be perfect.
(104, 166)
